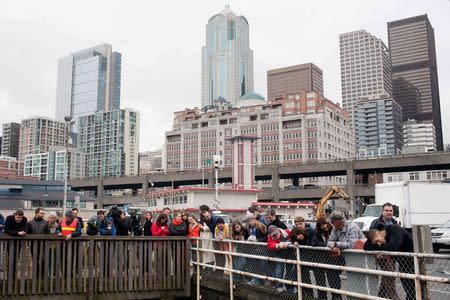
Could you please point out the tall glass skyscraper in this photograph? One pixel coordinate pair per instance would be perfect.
(88, 82)
(227, 60)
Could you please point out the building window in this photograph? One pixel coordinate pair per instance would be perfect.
(414, 176)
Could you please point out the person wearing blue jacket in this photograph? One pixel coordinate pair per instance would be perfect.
(104, 224)
(2, 223)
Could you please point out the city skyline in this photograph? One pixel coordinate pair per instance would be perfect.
(148, 74)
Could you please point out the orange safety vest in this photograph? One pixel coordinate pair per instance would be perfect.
(68, 229)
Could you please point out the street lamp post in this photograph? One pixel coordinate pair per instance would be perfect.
(69, 123)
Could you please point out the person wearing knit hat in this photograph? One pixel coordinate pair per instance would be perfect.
(278, 241)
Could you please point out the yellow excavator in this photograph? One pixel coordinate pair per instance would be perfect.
(321, 207)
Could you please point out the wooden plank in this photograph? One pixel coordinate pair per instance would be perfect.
(80, 275)
(179, 260)
(23, 263)
(149, 255)
(187, 271)
(58, 278)
(46, 263)
(164, 270)
(101, 265)
(170, 265)
(130, 265)
(91, 269)
(34, 263)
(141, 265)
(120, 267)
(111, 264)
(68, 264)
(11, 265)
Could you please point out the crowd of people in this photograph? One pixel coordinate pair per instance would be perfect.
(337, 233)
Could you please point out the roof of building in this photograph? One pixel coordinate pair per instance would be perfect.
(252, 95)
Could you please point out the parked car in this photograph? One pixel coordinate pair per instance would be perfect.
(441, 237)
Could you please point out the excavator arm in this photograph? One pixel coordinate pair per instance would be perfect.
(321, 207)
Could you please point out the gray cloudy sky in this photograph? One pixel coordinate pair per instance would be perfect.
(161, 44)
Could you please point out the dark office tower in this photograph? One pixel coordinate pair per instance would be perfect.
(414, 71)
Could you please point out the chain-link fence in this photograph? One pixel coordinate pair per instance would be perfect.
(314, 273)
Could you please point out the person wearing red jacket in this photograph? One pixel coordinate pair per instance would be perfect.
(160, 227)
(278, 241)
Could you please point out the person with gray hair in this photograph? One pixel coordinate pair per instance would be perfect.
(344, 234)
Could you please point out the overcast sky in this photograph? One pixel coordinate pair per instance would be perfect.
(161, 42)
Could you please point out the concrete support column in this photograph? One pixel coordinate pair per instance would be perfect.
(351, 189)
(100, 194)
(295, 181)
(211, 180)
(145, 186)
(275, 173)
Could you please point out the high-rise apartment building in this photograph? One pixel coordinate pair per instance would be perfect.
(418, 136)
(10, 140)
(51, 165)
(39, 134)
(414, 71)
(301, 127)
(88, 82)
(110, 141)
(292, 79)
(379, 126)
(227, 60)
(365, 68)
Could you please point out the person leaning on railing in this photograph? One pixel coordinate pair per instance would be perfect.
(258, 233)
(300, 237)
(178, 227)
(69, 226)
(396, 239)
(160, 227)
(278, 242)
(320, 239)
(239, 233)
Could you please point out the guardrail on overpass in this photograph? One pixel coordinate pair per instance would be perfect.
(275, 172)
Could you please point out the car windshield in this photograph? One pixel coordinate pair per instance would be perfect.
(373, 211)
(446, 224)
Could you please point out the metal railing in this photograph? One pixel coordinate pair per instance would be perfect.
(304, 272)
(86, 266)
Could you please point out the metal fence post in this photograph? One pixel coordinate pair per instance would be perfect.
(230, 266)
(417, 280)
(199, 242)
(299, 275)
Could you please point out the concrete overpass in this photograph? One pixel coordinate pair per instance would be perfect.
(275, 172)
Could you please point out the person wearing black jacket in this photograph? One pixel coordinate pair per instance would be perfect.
(122, 224)
(16, 224)
(273, 219)
(386, 218)
(38, 225)
(148, 224)
(320, 239)
(396, 239)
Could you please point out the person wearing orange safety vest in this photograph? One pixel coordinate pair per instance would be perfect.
(69, 227)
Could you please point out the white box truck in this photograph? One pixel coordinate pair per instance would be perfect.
(418, 203)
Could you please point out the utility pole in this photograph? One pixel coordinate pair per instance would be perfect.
(69, 123)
